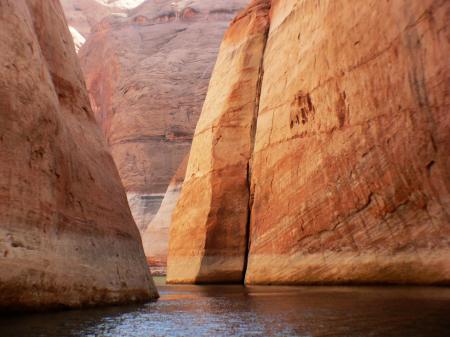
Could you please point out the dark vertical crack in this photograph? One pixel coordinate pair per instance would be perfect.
(254, 125)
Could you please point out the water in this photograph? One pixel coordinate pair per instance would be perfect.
(254, 311)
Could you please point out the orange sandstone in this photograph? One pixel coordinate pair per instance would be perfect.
(350, 166)
(67, 238)
(208, 234)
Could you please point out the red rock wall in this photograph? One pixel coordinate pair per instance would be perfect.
(350, 169)
(67, 238)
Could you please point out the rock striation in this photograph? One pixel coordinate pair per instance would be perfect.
(147, 76)
(349, 170)
(156, 237)
(67, 238)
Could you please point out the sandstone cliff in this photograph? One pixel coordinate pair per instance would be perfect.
(67, 238)
(350, 166)
(156, 237)
(147, 75)
(208, 236)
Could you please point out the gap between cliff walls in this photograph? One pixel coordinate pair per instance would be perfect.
(252, 144)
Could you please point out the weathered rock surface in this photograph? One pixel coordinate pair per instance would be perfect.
(208, 239)
(147, 75)
(67, 238)
(156, 237)
(350, 168)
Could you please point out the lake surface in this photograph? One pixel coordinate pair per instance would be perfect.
(254, 311)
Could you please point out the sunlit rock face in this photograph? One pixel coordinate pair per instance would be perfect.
(147, 76)
(67, 238)
(350, 164)
(208, 239)
(156, 237)
(78, 39)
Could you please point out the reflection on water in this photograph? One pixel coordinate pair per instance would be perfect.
(254, 311)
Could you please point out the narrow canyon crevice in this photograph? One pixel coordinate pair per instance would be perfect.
(253, 130)
(320, 155)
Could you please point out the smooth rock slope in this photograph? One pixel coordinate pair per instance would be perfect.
(349, 172)
(67, 238)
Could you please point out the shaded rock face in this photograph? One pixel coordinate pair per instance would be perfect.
(156, 237)
(147, 76)
(350, 165)
(67, 238)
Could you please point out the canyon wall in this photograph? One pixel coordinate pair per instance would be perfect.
(147, 74)
(67, 237)
(350, 163)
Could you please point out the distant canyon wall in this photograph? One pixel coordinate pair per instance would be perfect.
(67, 237)
(147, 72)
(83, 15)
(322, 151)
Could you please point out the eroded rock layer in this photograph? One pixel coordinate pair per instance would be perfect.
(350, 168)
(147, 76)
(67, 238)
(208, 238)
